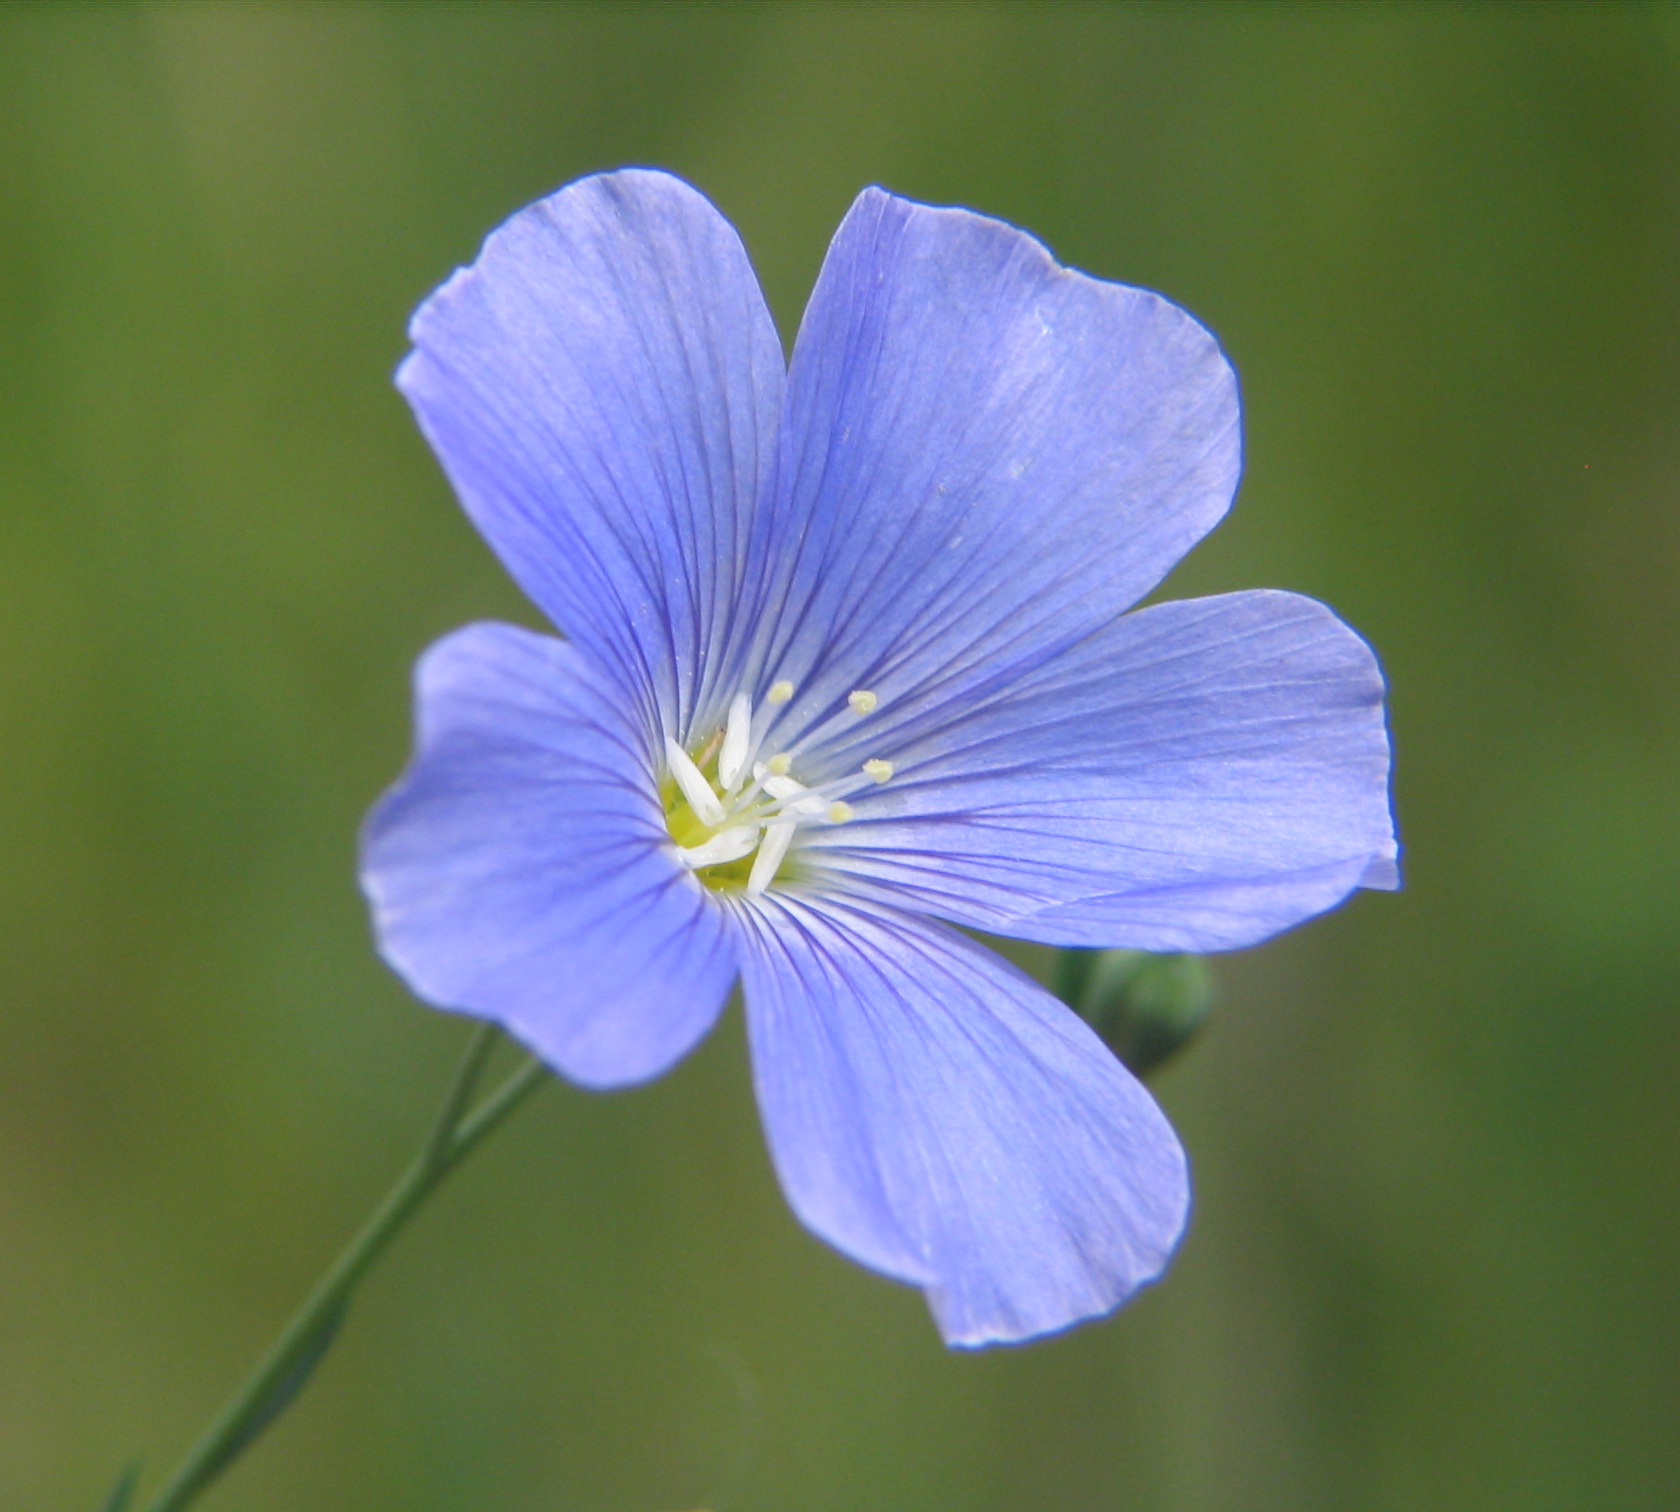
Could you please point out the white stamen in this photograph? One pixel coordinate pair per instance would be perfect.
(753, 807)
(795, 797)
(768, 861)
(737, 738)
(726, 845)
(740, 802)
(695, 788)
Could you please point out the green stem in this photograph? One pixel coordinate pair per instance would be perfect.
(459, 1095)
(484, 1118)
(286, 1366)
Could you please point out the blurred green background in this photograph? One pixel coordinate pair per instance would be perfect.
(1433, 1264)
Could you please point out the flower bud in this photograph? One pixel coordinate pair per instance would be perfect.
(1146, 1007)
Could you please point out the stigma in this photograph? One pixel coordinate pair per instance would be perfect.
(735, 800)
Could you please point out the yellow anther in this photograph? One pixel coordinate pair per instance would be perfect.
(878, 770)
(779, 764)
(780, 692)
(839, 812)
(862, 701)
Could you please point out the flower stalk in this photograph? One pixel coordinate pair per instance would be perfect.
(287, 1366)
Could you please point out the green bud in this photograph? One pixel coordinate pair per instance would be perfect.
(1146, 1007)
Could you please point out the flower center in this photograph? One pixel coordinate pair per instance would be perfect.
(733, 817)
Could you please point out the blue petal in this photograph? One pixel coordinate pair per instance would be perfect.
(985, 457)
(603, 387)
(1198, 776)
(520, 870)
(936, 1115)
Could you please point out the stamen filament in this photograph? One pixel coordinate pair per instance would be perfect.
(726, 845)
(777, 836)
(737, 740)
(708, 809)
(744, 799)
(793, 795)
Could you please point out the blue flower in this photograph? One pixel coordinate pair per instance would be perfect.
(847, 664)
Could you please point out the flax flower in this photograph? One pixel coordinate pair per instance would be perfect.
(847, 663)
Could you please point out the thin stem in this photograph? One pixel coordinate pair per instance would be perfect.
(283, 1370)
(460, 1093)
(489, 1113)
